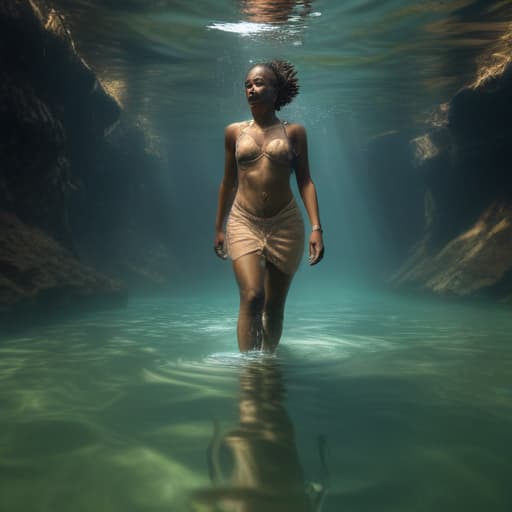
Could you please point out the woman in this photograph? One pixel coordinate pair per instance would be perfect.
(264, 234)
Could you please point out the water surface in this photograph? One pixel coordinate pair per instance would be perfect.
(372, 400)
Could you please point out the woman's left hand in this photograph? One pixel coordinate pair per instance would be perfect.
(316, 247)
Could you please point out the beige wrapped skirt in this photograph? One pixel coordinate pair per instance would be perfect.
(279, 239)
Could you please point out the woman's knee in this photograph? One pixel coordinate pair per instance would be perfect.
(252, 298)
(274, 308)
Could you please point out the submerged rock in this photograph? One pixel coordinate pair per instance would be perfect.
(474, 262)
(35, 269)
(50, 102)
(466, 245)
(34, 175)
(76, 181)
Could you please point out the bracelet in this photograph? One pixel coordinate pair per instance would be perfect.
(317, 227)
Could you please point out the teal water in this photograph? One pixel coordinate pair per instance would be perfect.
(375, 401)
(365, 67)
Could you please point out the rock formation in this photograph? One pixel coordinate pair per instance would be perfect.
(60, 172)
(35, 270)
(466, 247)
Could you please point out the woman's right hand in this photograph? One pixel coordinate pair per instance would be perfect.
(219, 245)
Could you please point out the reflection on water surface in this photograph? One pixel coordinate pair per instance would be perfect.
(371, 402)
(381, 63)
(266, 472)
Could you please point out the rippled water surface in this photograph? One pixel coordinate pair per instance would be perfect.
(372, 402)
(376, 64)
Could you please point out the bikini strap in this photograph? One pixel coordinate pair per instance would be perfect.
(292, 147)
(241, 128)
(241, 131)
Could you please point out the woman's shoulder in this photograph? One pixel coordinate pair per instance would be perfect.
(294, 127)
(233, 129)
(295, 130)
(237, 125)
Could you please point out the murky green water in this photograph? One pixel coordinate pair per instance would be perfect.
(373, 402)
(376, 402)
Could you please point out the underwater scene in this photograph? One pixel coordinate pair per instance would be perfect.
(139, 370)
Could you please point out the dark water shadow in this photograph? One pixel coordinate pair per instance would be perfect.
(22, 318)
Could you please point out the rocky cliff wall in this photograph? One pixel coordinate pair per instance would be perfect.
(465, 168)
(69, 172)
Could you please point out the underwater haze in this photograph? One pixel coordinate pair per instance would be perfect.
(365, 68)
(374, 400)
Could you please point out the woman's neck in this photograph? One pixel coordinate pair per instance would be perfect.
(264, 117)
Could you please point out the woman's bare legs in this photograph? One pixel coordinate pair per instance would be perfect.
(276, 286)
(250, 276)
(263, 290)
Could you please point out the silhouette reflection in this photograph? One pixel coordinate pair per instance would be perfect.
(256, 466)
(274, 11)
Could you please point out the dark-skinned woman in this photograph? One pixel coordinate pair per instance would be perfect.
(264, 232)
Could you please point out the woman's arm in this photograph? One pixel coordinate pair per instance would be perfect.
(227, 187)
(308, 193)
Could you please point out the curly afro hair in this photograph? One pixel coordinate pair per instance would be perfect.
(286, 78)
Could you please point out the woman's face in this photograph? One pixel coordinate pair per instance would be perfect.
(260, 86)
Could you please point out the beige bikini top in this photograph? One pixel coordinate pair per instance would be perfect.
(275, 147)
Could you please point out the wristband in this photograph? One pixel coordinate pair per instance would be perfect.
(317, 227)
